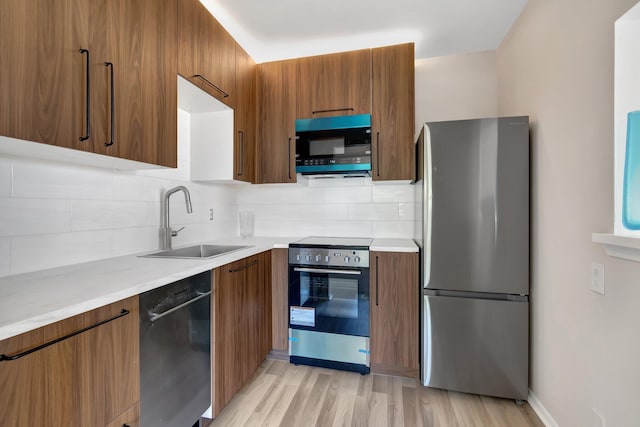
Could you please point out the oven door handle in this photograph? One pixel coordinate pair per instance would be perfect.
(327, 271)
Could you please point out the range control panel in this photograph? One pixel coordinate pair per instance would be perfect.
(334, 257)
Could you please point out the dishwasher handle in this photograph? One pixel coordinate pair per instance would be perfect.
(155, 316)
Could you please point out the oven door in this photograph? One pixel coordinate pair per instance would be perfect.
(333, 300)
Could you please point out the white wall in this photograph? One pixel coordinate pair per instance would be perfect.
(54, 214)
(556, 66)
(456, 87)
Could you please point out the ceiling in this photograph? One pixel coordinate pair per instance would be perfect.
(282, 29)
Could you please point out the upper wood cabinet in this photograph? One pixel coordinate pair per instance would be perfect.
(58, 89)
(393, 113)
(141, 45)
(336, 84)
(206, 54)
(395, 314)
(87, 379)
(276, 122)
(241, 324)
(42, 90)
(244, 117)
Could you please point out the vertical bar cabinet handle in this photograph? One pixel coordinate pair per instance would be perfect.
(87, 97)
(113, 105)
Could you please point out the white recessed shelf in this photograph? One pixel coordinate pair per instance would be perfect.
(616, 246)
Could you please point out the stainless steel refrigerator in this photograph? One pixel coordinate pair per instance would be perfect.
(473, 230)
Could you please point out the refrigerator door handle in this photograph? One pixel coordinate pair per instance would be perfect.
(476, 295)
(428, 201)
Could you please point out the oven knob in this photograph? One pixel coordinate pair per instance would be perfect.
(346, 259)
(308, 257)
(298, 257)
(356, 259)
(318, 258)
(326, 258)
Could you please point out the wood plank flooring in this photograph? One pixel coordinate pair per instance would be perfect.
(282, 394)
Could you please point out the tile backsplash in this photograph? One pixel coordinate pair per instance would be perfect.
(331, 207)
(54, 214)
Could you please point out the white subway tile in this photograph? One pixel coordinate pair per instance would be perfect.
(393, 229)
(323, 212)
(406, 211)
(347, 228)
(134, 240)
(353, 194)
(100, 215)
(373, 211)
(286, 228)
(393, 193)
(128, 186)
(31, 253)
(278, 212)
(5, 256)
(19, 217)
(5, 177)
(60, 181)
(336, 182)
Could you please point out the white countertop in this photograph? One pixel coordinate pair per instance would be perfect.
(36, 299)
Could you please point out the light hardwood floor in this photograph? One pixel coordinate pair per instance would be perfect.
(282, 394)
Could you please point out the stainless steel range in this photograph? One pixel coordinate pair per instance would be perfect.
(329, 303)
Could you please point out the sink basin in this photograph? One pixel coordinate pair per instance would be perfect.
(196, 252)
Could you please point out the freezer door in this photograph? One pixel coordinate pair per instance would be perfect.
(477, 205)
(476, 346)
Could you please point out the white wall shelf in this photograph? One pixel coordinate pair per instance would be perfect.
(616, 246)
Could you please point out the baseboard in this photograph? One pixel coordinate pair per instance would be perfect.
(279, 354)
(541, 411)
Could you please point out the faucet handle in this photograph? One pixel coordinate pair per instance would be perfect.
(174, 233)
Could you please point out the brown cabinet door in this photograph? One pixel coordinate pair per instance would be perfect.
(241, 324)
(394, 313)
(244, 117)
(280, 300)
(276, 122)
(87, 379)
(108, 361)
(129, 418)
(393, 116)
(334, 85)
(43, 87)
(141, 45)
(206, 51)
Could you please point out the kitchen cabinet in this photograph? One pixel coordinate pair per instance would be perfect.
(90, 378)
(129, 418)
(244, 117)
(276, 122)
(334, 85)
(241, 324)
(394, 313)
(206, 52)
(393, 113)
(280, 303)
(93, 76)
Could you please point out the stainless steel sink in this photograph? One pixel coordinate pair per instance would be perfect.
(196, 252)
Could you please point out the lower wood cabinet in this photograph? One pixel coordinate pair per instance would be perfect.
(395, 306)
(90, 377)
(280, 302)
(129, 418)
(241, 324)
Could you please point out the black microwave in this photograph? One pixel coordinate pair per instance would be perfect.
(334, 145)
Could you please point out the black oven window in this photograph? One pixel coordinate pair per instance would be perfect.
(326, 146)
(330, 296)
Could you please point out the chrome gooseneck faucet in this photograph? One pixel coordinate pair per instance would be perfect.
(166, 232)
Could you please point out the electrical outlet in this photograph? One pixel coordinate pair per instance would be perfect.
(597, 419)
(210, 214)
(597, 278)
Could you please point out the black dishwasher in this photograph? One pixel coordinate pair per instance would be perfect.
(175, 353)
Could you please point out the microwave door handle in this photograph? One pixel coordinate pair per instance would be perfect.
(327, 271)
